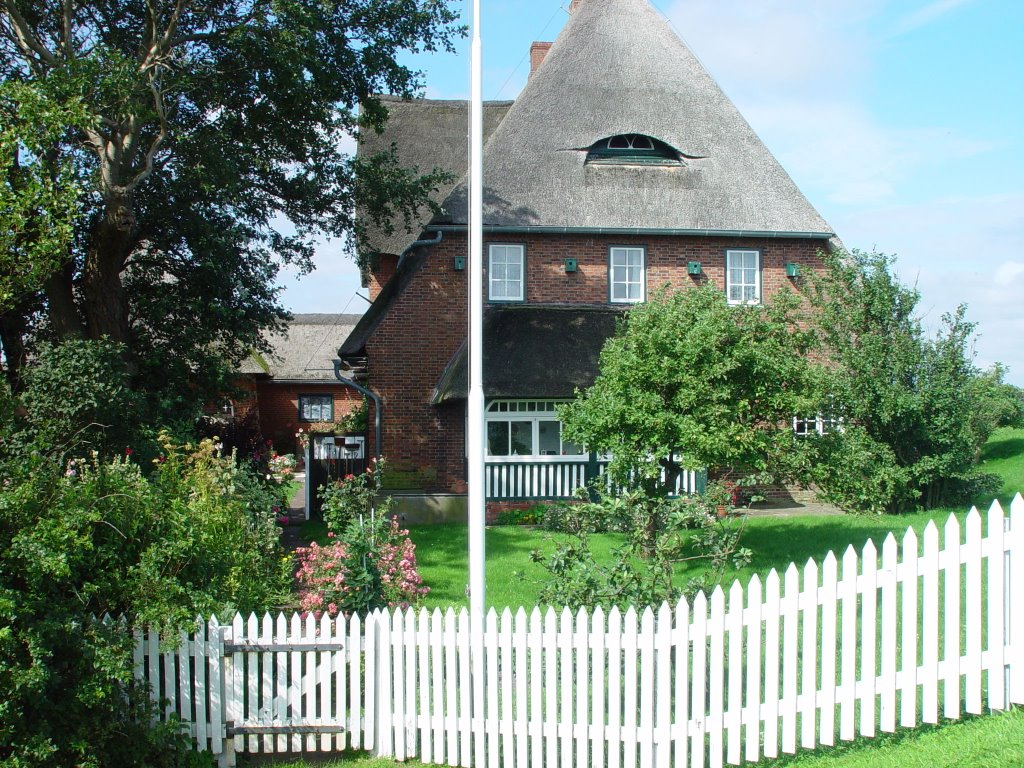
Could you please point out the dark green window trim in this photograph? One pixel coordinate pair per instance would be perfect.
(632, 149)
(522, 280)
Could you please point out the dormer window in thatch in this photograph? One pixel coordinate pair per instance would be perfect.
(632, 149)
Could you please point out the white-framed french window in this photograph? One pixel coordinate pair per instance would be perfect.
(506, 272)
(526, 428)
(743, 276)
(626, 274)
(816, 425)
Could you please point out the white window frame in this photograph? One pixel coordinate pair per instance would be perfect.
(505, 250)
(534, 412)
(743, 284)
(625, 251)
(816, 425)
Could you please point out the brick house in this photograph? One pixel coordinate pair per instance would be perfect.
(294, 387)
(620, 168)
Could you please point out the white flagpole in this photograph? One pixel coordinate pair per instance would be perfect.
(475, 427)
(475, 405)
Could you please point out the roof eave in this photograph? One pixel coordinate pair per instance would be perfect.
(622, 231)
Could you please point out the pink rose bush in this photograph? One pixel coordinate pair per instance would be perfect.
(368, 565)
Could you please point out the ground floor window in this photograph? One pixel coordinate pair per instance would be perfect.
(526, 428)
(816, 425)
(316, 407)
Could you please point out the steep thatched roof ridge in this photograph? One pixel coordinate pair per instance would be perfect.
(535, 350)
(428, 134)
(306, 351)
(617, 68)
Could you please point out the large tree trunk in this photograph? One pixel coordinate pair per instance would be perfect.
(65, 319)
(105, 302)
(12, 341)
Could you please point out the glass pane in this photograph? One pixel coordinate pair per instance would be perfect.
(634, 291)
(497, 438)
(521, 438)
(547, 437)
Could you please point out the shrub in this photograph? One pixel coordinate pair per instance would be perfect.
(660, 533)
(77, 396)
(86, 536)
(353, 496)
(372, 564)
(533, 515)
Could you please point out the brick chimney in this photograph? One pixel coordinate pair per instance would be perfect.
(537, 53)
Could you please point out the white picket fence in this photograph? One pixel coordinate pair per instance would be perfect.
(853, 646)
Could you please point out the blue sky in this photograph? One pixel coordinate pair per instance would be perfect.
(902, 122)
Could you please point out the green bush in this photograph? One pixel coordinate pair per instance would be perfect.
(84, 537)
(353, 496)
(660, 534)
(77, 395)
(533, 515)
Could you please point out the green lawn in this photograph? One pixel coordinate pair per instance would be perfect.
(513, 580)
(1003, 455)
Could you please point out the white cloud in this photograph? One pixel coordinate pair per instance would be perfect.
(800, 46)
(957, 250)
(925, 15)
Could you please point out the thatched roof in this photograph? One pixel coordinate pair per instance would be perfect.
(534, 351)
(618, 68)
(427, 134)
(305, 352)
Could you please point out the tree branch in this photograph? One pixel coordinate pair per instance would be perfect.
(26, 38)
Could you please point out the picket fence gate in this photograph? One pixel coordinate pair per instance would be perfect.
(853, 646)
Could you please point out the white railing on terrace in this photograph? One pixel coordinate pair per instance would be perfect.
(525, 478)
(853, 646)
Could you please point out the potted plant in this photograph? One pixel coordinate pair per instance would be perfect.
(719, 496)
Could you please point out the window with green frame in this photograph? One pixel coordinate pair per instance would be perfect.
(632, 149)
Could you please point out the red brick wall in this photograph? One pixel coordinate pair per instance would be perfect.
(378, 277)
(279, 410)
(425, 326)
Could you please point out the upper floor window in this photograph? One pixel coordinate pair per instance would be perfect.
(316, 407)
(505, 272)
(632, 149)
(743, 277)
(626, 280)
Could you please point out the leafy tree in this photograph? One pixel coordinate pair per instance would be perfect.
(687, 382)
(690, 377)
(910, 405)
(208, 157)
(39, 198)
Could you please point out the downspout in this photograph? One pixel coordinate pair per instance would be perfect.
(417, 244)
(376, 404)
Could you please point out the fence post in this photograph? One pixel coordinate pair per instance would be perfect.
(589, 474)
(1014, 625)
(229, 697)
